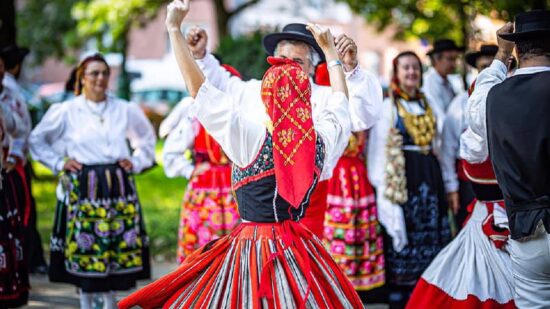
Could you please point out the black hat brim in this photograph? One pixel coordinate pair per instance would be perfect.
(270, 41)
(435, 51)
(523, 36)
(471, 58)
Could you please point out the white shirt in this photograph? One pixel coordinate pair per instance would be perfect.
(76, 124)
(181, 130)
(227, 117)
(438, 88)
(364, 104)
(17, 146)
(474, 147)
(11, 123)
(389, 214)
(453, 127)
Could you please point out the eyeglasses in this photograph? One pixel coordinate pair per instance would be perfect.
(95, 74)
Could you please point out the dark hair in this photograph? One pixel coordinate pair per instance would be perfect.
(395, 61)
(82, 67)
(533, 48)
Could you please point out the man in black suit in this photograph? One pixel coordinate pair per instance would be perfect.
(512, 114)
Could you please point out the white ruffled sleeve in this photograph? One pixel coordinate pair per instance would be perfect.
(142, 138)
(176, 151)
(476, 111)
(365, 98)
(49, 131)
(332, 123)
(239, 133)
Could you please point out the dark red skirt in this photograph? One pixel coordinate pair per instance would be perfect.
(14, 275)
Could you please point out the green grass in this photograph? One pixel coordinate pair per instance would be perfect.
(160, 198)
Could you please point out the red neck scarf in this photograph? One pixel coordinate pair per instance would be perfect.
(286, 93)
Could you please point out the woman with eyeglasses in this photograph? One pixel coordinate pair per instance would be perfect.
(99, 241)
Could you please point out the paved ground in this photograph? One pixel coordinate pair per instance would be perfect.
(45, 294)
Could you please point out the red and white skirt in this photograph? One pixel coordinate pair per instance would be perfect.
(258, 265)
(352, 231)
(469, 273)
(208, 211)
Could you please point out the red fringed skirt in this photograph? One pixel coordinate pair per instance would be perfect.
(258, 265)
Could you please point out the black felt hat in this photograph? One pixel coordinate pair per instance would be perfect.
(444, 45)
(296, 32)
(485, 50)
(13, 55)
(529, 25)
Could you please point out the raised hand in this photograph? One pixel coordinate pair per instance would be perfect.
(197, 40)
(324, 38)
(505, 47)
(176, 12)
(347, 51)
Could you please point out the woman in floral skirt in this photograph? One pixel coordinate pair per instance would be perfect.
(98, 242)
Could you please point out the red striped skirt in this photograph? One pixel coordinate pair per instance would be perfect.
(258, 265)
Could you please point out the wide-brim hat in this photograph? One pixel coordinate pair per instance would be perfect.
(444, 45)
(14, 54)
(485, 50)
(529, 25)
(296, 32)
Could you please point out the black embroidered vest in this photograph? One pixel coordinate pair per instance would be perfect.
(255, 187)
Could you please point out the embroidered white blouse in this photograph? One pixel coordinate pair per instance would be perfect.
(389, 214)
(76, 124)
(241, 130)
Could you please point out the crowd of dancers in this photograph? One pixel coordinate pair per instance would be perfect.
(308, 188)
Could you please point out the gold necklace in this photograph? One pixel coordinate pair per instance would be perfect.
(421, 128)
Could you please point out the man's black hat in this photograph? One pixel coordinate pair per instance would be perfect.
(13, 55)
(485, 50)
(296, 32)
(444, 45)
(530, 25)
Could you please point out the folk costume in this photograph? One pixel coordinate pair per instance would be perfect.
(411, 199)
(351, 229)
(365, 99)
(474, 270)
(271, 259)
(14, 275)
(17, 151)
(99, 242)
(508, 111)
(209, 210)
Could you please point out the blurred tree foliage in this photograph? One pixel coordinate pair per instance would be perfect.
(432, 19)
(109, 23)
(59, 27)
(48, 28)
(245, 53)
